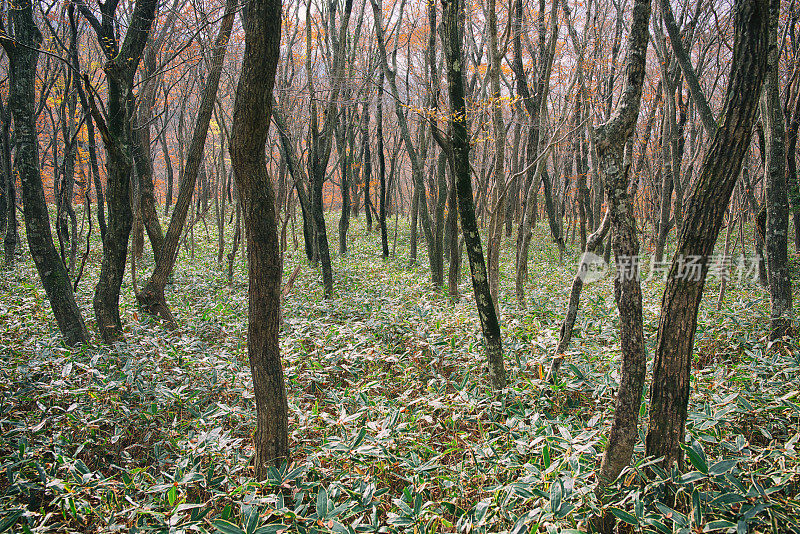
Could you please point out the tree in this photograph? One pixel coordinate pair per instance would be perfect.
(708, 201)
(151, 298)
(777, 192)
(611, 139)
(452, 43)
(9, 198)
(251, 115)
(22, 48)
(115, 126)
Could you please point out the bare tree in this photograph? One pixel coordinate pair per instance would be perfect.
(251, 116)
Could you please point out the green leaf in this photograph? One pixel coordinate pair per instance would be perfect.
(674, 515)
(719, 524)
(728, 498)
(556, 493)
(251, 520)
(10, 519)
(322, 503)
(226, 527)
(697, 510)
(622, 515)
(697, 456)
(275, 528)
(692, 476)
(721, 467)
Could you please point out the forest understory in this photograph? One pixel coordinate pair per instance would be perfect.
(393, 424)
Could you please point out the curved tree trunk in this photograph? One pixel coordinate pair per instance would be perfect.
(452, 42)
(251, 114)
(23, 54)
(705, 210)
(151, 297)
(611, 138)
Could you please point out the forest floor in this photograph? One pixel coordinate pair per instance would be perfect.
(392, 424)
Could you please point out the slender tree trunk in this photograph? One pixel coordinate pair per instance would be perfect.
(498, 217)
(90, 132)
(611, 140)
(452, 42)
(23, 54)
(252, 107)
(143, 159)
(11, 234)
(151, 297)
(709, 197)
(170, 171)
(345, 165)
(565, 333)
(777, 227)
(454, 271)
(417, 158)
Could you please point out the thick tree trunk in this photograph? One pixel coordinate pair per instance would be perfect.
(23, 54)
(115, 129)
(251, 113)
(669, 395)
(452, 42)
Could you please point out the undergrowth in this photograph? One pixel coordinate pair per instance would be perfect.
(393, 426)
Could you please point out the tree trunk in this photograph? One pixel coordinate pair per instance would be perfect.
(705, 210)
(611, 139)
(23, 54)
(11, 234)
(262, 24)
(777, 227)
(115, 129)
(565, 333)
(499, 133)
(151, 297)
(452, 43)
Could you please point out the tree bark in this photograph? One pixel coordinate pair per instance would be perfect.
(708, 200)
(151, 297)
(251, 115)
(23, 54)
(777, 193)
(452, 43)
